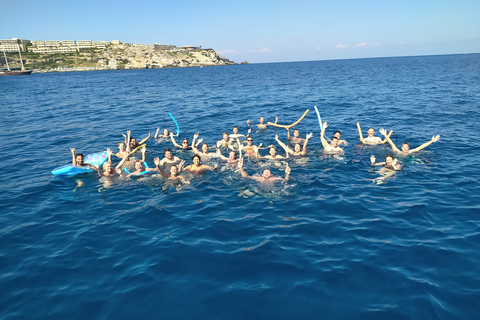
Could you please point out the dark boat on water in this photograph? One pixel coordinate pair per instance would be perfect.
(14, 71)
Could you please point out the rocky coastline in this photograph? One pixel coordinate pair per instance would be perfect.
(117, 57)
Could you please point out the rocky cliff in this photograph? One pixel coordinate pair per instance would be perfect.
(120, 57)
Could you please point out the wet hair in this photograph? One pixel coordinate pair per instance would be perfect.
(298, 145)
(336, 132)
(164, 152)
(235, 127)
(224, 134)
(389, 156)
(137, 161)
(185, 140)
(118, 144)
(204, 144)
(296, 130)
(371, 128)
(196, 156)
(79, 154)
(406, 144)
(235, 153)
(335, 138)
(105, 165)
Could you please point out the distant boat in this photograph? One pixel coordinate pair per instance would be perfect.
(14, 71)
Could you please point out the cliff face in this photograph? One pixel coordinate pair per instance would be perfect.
(120, 57)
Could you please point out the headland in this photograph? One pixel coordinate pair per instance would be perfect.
(69, 55)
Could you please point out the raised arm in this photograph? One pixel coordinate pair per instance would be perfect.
(242, 171)
(120, 164)
(73, 156)
(287, 149)
(109, 153)
(387, 136)
(325, 144)
(276, 120)
(143, 149)
(219, 152)
(385, 140)
(426, 144)
(156, 133)
(173, 141)
(127, 144)
(288, 134)
(372, 160)
(157, 164)
(304, 150)
(360, 133)
(145, 140)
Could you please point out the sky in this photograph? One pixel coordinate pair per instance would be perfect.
(258, 31)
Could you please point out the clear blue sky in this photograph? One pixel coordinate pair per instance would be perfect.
(258, 31)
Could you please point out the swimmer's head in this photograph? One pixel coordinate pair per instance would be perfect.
(138, 165)
(389, 160)
(121, 146)
(225, 136)
(133, 141)
(273, 152)
(235, 130)
(196, 159)
(249, 141)
(168, 154)
(173, 170)
(205, 147)
(107, 167)
(79, 159)
(297, 147)
(165, 132)
(405, 147)
(233, 155)
(337, 134)
(371, 131)
(185, 143)
(262, 120)
(334, 142)
(296, 133)
(266, 173)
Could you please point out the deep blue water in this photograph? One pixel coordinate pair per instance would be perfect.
(329, 244)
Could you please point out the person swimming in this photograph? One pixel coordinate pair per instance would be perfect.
(296, 136)
(166, 134)
(197, 167)
(185, 145)
(225, 142)
(77, 160)
(169, 160)
(133, 141)
(337, 134)
(262, 124)
(297, 150)
(266, 174)
(174, 170)
(232, 157)
(390, 163)
(333, 146)
(371, 139)
(108, 169)
(405, 146)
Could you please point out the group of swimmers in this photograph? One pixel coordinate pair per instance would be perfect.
(171, 166)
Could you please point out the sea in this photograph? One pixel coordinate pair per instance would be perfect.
(341, 239)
